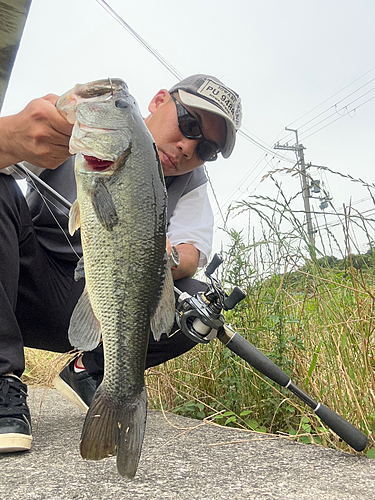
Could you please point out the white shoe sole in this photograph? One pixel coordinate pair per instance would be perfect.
(68, 392)
(14, 442)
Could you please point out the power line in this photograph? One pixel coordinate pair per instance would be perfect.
(229, 196)
(143, 42)
(334, 106)
(269, 151)
(329, 98)
(333, 121)
(243, 132)
(179, 76)
(336, 110)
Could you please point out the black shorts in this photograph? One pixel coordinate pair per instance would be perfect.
(38, 293)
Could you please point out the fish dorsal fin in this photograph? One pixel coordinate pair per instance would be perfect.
(103, 204)
(74, 218)
(84, 329)
(163, 318)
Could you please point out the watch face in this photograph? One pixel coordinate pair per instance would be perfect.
(175, 257)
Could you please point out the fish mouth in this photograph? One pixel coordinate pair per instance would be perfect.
(98, 165)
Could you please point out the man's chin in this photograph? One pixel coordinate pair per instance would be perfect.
(169, 170)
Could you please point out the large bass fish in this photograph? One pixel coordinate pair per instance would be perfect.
(121, 210)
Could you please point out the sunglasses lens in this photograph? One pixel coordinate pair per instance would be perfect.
(206, 152)
(189, 126)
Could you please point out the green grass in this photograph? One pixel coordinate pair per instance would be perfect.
(321, 337)
(313, 315)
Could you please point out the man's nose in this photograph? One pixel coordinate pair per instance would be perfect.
(188, 146)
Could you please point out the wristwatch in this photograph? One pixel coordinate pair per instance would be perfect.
(175, 258)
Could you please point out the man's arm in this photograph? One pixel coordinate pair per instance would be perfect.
(38, 134)
(189, 257)
(190, 230)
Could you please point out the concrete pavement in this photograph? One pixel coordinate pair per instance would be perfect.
(181, 459)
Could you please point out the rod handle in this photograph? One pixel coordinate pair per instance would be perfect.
(243, 348)
(350, 434)
(247, 351)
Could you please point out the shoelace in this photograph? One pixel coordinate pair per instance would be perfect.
(13, 394)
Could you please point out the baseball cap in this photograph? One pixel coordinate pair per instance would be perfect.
(208, 93)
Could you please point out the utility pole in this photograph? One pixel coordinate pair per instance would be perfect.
(12, 21)
(298, 149)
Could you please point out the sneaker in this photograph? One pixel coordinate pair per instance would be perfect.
(79, 387)
(15, 421)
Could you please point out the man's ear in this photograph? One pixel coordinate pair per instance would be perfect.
(161, 98)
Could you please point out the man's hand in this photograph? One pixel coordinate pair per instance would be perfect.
(38, 134)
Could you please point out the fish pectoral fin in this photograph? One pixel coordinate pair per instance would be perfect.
(111, 430)
(84, 329)
(103, 204)
(74, 218)
(163, 318)
(79, 271)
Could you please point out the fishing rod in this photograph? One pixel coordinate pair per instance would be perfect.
(200, 318)
(27, 174)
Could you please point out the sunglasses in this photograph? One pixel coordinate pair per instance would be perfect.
(191, 129)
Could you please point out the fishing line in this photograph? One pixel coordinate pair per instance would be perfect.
(143, 42)
(31, 182)
(214, 194)
(27, 174)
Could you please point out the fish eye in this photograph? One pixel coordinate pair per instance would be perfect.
(121, 103)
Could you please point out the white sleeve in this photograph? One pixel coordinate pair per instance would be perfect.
(192, 222)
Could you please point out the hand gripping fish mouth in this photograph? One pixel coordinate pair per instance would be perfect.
(101, 132)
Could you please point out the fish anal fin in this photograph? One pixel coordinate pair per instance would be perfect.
(84, 329)
(74, 218)
(163, 318)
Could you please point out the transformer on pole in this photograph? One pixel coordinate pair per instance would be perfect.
(298, 149)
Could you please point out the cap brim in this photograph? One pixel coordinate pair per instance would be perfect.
(199, 103)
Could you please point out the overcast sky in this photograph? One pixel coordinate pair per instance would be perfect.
(295, 63)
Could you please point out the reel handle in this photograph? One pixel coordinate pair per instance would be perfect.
(234, 298)
(214, 264)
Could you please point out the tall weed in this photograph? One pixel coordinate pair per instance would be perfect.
(312, 314)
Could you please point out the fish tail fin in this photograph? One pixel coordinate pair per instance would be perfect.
(110, 430)
(133, 425)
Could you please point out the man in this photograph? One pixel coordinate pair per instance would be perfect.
(191, 123)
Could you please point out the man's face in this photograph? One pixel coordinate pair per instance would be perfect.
(178, 153)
